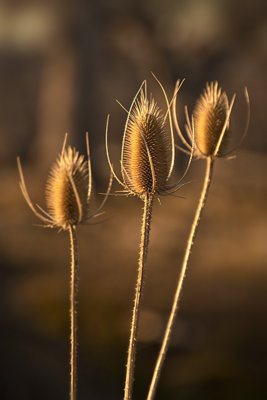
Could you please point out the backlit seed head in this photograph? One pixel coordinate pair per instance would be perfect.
(147, 149)
(67, 189)
(210, 115)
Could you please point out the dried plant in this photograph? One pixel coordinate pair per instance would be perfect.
(206, 131)
(147, 159)
(67, 188)
(68, 193)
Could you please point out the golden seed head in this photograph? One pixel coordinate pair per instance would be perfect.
(67, 189)
(210, 115)
(146, 152)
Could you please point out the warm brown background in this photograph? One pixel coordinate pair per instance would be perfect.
(62, 65)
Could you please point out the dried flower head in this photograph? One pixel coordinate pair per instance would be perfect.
(147, 155)
(210, 116)
(210, 122)
(146, 151)
(68, 190)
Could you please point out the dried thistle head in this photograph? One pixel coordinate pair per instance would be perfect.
(147, 154)
(68, 190)
(146, 151)
(210, 122)
(210, 117)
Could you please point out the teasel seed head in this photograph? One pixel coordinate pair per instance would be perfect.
(66, 189)
(210, 116)
(146, 151)
(209, 125)
(148, 148)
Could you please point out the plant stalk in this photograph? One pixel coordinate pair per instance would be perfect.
(168, 331)
(145, 230)
(73, 311)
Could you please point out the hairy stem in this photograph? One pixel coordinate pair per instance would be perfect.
(168, 331)
(146, 222)
(73, 311)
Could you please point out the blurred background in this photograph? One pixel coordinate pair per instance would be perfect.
(63, 64)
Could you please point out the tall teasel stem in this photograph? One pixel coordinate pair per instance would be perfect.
(68, 192)
(147, 159)
(145, 230)
(206, 132)
(73, 310)
(167, 335)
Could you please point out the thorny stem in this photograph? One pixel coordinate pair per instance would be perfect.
(145, 229)
(73, 311)
(168, 331)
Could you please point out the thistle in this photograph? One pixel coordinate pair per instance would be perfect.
(67, 187)
(205, 134)
(147, 159)
(68, 193)
(211, 120)
(146, 152)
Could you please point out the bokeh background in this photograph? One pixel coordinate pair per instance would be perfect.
(63, 64)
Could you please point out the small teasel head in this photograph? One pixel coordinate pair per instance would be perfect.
(211, 120)
(67, 189)
(147, 154)
(209, 126)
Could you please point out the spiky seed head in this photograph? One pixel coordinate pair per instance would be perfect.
(146, 152)
(68, 174)
(210, 114)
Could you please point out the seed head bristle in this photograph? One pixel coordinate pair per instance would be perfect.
(210, 115)
(146, 153)
(67, 189)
